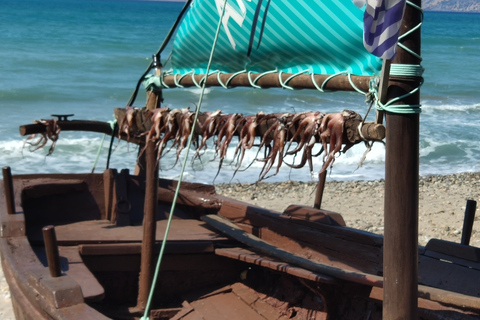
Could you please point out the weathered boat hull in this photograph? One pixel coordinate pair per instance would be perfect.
(302, 263)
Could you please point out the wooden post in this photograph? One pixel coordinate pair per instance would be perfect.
(149, 227)
(468, 221)
(51, 249)
(322, 176)
(154, 100)
(8, 190)
(400, 251)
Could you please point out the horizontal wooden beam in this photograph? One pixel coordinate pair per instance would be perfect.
(341, 82)
(70, 125)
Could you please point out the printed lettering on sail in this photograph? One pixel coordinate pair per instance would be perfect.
(304, 36)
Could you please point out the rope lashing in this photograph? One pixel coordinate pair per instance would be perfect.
(416, 55)
(284, 84)
(184, 165)
(406, 70)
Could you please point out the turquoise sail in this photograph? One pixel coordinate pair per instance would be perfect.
(309, 36)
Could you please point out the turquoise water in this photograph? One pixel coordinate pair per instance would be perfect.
(85, 57)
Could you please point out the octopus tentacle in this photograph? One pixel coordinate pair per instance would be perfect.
(308, 127)
(279, 139)
(185, 131)
(52, 131)
(247, 137)
(208, 129)
(225, 137)
(127, 122)
(158, 124)
(332, 128)
(170, 128)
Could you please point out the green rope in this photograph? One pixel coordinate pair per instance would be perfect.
(406, 70)
(401, 70)
(184, 164)
(112, 126)
(98, 153)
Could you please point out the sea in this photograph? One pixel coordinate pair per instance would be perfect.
(85, 58)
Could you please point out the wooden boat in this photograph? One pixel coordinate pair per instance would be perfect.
(84, 246)
(303, 263)
(223, 258)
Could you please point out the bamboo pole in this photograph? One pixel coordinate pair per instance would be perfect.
(303, 81)
(400, 258)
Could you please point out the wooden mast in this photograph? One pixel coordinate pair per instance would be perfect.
(150, 205)
(400, 255)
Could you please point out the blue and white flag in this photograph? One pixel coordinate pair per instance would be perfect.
(382, 21)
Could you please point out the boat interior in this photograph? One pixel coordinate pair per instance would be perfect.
(303, 263)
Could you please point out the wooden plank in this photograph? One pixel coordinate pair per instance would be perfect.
(45, 187)
(435, 294)
(225, 306)
(235, 232)
(329, 251)
(241, 212)
(103, 231)
(263, 261)
(260, 306)
(353, 249)
(449, 276)
(178, 247)
(453, 250)
(92, 290)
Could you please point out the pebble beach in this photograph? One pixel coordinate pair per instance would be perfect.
(442, 202)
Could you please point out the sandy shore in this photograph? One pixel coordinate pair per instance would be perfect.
(442, 201)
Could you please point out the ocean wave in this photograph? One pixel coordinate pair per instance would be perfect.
(431, 107)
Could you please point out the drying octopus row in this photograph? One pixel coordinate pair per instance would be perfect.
(281, 134)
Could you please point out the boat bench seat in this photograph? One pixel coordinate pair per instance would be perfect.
(106, 232)
(71, 265)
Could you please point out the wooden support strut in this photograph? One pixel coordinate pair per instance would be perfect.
(400, 259)
(51, 250)
(8, 190)
(149, 227)
(470, 209)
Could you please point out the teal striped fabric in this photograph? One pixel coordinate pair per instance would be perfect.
(310, 36)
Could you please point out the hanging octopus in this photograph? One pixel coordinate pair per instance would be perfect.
(332, 129)
(126, 124)
(208, 129)
(277, 150)
(282, 134)
(225, 136)
(52, 131)
(247, 137)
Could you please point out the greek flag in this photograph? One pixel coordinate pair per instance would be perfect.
(382, 20)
